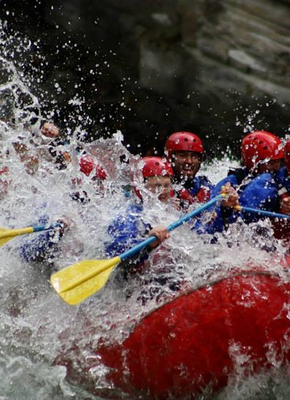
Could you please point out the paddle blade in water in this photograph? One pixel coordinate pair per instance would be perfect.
(5, 239)
(79, 281)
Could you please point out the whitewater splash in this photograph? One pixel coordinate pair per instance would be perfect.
(36, 326)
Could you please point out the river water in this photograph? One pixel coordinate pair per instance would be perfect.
(36, 325)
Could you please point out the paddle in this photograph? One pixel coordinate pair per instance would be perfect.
(262, 212)
(8, 234)
(77, 282)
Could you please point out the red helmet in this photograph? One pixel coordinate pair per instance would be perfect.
(260, 145)
(183, 141)
(156, 166)
(287, 155)
(88, 164)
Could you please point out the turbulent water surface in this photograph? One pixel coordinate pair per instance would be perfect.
(36, 325)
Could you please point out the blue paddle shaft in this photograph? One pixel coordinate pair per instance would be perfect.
(40, 228)
(193, 213)
(263, 212)
(170, 228)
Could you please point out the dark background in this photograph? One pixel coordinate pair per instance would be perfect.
(97, 58)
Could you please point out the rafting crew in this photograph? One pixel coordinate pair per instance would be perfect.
(178, 186)
(185, 152)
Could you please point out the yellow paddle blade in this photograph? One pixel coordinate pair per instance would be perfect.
(79, 281)
(8, 234)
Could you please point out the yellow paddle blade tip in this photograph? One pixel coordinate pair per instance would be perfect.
(79, 281)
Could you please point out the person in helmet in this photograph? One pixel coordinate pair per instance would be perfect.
(128, 230)
(157, 175)
(254, 184)
(91, 168)
(184, 150)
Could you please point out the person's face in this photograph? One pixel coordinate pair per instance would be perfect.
(160, 185)
(50, 130)
(270, 166)
(185, 164)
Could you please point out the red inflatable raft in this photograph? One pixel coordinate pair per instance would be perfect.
(196, 342)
